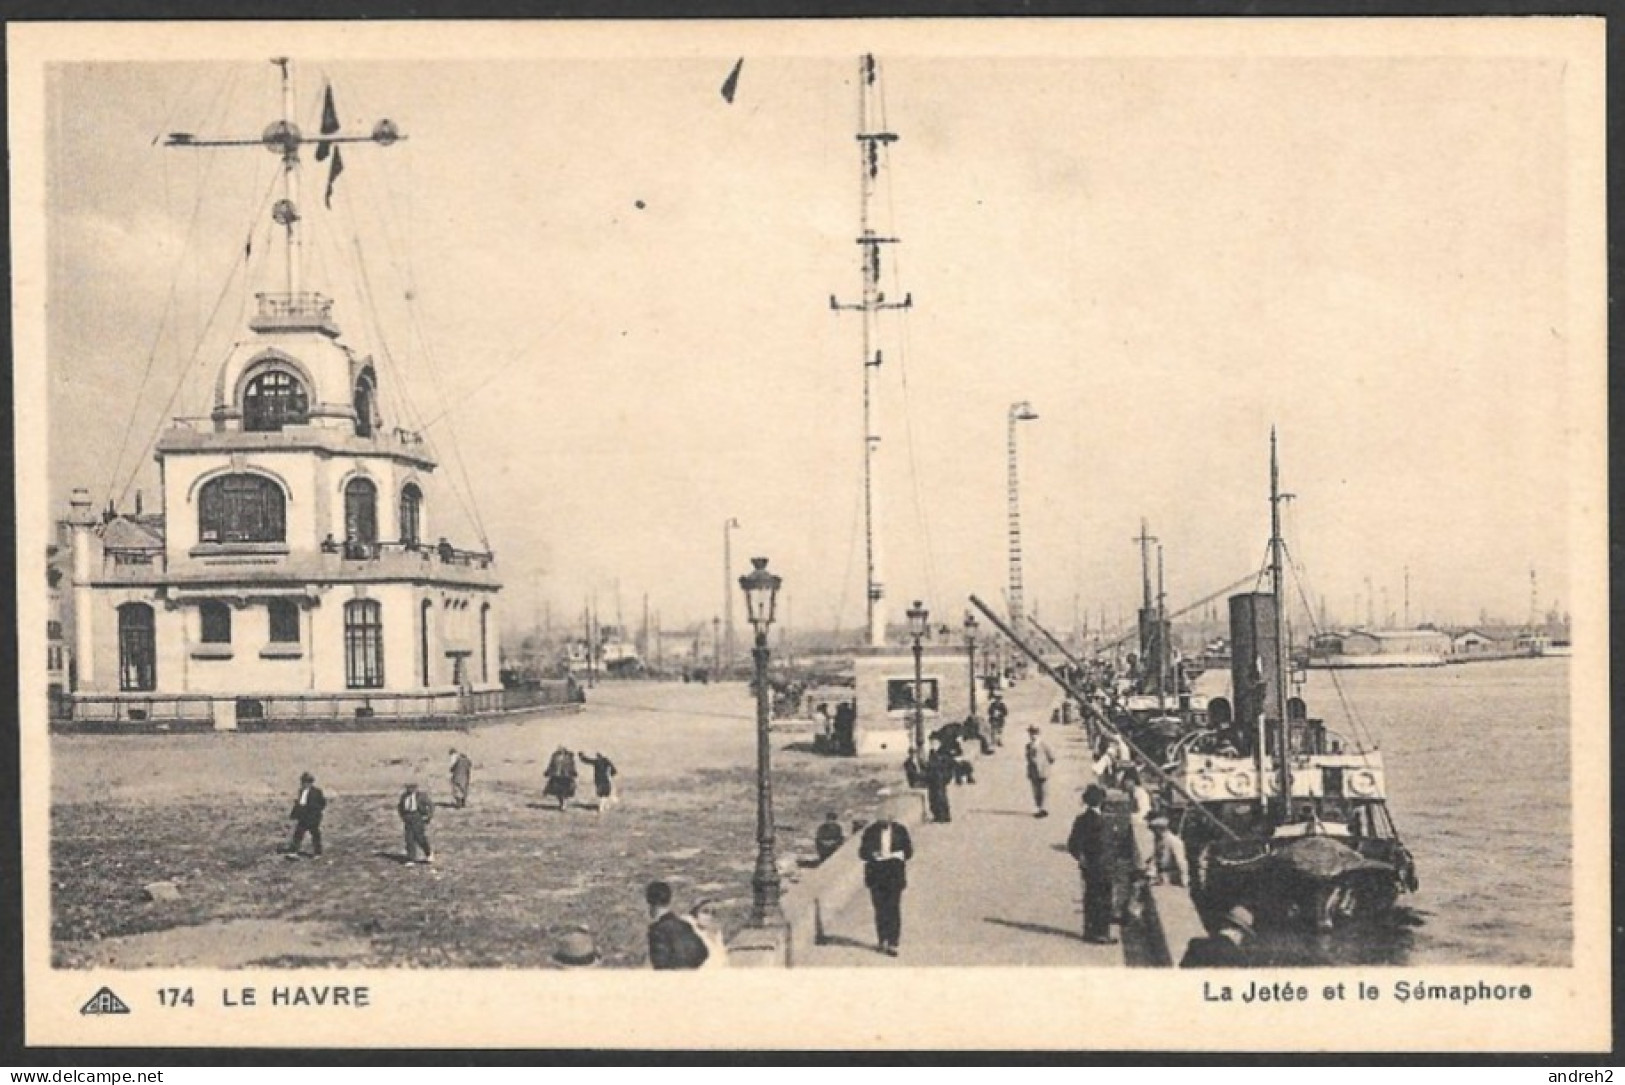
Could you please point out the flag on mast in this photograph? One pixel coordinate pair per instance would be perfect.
(330, 125)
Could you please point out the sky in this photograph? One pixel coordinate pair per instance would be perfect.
(603, 291)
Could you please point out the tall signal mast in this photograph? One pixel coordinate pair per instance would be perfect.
(873, 140)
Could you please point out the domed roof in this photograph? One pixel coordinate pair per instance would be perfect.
(327, 369)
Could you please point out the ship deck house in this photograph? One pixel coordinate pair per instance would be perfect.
(294, 575)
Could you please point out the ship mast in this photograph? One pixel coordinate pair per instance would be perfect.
(872, 140)
(1283, 764)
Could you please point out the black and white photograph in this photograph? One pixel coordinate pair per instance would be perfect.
(1095, 523)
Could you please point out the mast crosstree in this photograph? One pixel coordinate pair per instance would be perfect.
(873, 139)
(283, 137)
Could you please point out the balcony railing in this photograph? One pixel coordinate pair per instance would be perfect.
(283, 312)
(442, 552)
(139, 563)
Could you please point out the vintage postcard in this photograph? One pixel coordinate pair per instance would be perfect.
(1044, 534)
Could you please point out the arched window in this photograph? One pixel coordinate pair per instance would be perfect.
(411, 514)
(365, 393)
(216, 619)
(137, 648)
(273, 399)
(485, 643)
(361, 513)
(241, 508)
(363, 644)
(423, 641)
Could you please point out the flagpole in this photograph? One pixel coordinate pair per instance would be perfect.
(290, 182)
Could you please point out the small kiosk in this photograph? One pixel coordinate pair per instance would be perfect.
(885, 695)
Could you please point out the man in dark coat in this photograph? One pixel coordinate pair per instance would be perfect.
(885, 849)
(1088, 845)
(939, 773)
(461, 769)
(416, 810)
(307, 816)
(673, 942)
(997, 713)
(1224, 948)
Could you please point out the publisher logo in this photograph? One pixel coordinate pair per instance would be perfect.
(104, 1001)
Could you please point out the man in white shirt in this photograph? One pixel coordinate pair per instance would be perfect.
(885, 849)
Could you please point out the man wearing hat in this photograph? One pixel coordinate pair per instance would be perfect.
(997, 713)
(576, 949)
(307, 816)
(1225, 947)
(1039, 760)
(1087, 844)
(1167, 862)
(416, 810)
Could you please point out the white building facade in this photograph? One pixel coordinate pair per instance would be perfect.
(295, 576)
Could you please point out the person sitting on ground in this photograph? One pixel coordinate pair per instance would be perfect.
(829, 837)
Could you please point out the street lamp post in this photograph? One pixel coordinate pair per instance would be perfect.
(971, 626)
(918, 616)
(761, 589)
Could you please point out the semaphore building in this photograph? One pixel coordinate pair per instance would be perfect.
(295, 574)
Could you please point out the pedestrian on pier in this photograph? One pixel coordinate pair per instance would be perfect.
(603, 780)
(939, 773)
(885, 849)
(1088, 845)
(308, 806)
(461, 770)
(416, 809)
(997, 713)
(1040, 758)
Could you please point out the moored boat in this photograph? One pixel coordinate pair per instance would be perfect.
(1280, 813)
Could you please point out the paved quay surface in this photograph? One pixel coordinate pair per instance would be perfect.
(995, 886)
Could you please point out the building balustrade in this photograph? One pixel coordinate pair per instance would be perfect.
(304, 309)
(333, 559)
(292, 710)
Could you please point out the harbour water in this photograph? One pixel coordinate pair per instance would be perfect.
(1477, 760)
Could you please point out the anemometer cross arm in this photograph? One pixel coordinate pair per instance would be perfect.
(186, 139)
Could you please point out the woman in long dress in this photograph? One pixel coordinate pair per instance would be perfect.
(561, 776)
